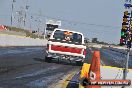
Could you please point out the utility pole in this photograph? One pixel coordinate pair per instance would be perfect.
(25, 15)
(40, 21)
(45, 30)
(30, 22)
(12, 15)
(38, 32)
(20, 17)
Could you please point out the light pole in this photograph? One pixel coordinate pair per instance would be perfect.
(45, 25)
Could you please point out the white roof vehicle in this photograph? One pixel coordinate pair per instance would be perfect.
(66, 44)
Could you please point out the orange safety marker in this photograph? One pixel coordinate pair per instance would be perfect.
(90, 74)
(94, 71)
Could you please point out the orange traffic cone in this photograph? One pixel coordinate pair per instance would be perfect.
(91, 73)
(94, 71)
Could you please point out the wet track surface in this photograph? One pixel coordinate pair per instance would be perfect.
(24, 67)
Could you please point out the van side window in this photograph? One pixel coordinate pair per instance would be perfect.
(77, 38)
(58, 35)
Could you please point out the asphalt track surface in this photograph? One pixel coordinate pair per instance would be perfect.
(24, 67)
(115, 57)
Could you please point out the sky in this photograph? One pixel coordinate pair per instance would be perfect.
(94, 18)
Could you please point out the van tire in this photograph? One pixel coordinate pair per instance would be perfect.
(48, 59)
(79, 63)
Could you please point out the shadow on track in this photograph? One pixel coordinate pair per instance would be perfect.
(63, 62)
(72, 85)
(74, 82)
(38, 59)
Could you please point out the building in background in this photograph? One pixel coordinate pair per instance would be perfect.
(94, 40)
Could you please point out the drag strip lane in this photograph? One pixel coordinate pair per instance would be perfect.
(115, 58)
(41, 78)
(18, 50)
(30, 70)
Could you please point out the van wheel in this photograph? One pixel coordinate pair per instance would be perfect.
(48, 59)
(79, 63)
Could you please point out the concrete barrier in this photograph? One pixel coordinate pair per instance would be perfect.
(14, 40)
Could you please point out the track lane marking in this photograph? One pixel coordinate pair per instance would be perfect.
(69, 77)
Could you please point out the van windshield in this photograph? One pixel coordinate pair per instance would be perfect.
(66, 36)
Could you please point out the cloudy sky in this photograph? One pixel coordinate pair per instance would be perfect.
(94, 18)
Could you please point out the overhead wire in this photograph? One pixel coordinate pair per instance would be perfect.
(74, 22)
(78, 22)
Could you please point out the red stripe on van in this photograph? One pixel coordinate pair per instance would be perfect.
(66, 49)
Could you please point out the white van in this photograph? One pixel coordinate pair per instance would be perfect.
(66, 44)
